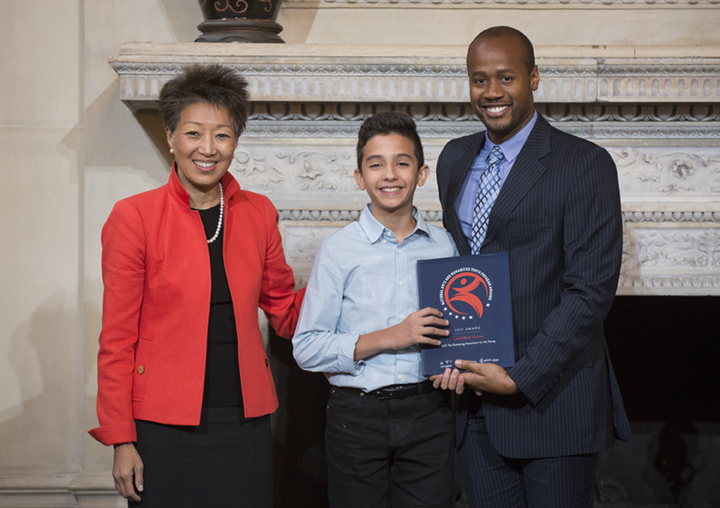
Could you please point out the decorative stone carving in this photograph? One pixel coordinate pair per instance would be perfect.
(339, 215)
(303, 176)
(301, 242)
(663, 252)
(444, 113)
(657, 116)
(321, 171)
(655, 79)
(342, 216)
(276, 129)
(279, 169)
(636, 112)
(652, 131)
(649, 173)
(670, 260)
(428, 75)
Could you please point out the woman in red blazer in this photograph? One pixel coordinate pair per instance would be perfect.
(184, 385)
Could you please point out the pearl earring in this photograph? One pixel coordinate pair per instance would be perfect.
(172, 151)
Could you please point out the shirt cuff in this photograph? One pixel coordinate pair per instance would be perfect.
(346, 352)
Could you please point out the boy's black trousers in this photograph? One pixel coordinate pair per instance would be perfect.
(390, 452)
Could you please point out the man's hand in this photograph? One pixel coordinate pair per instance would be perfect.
(127, 466)
(413, 330)
(486, 377)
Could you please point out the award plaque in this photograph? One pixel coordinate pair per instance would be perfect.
(473, 293)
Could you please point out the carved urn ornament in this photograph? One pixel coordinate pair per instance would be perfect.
(240, 21)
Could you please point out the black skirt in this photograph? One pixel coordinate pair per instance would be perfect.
(225, 461)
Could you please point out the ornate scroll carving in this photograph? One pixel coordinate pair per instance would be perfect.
(324, 169)
(313, 170)
(277, 129)
(671, 260)
(659, 173)
(239, 6)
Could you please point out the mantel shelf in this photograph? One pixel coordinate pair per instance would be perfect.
(426, 74)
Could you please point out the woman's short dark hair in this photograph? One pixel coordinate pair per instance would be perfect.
(389, 122)
(214, 84)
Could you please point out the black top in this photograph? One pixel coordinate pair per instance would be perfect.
(222, 369)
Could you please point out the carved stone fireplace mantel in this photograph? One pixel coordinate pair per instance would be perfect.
(656, 110)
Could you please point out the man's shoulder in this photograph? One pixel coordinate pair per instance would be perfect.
(459, 143)
(560, 138)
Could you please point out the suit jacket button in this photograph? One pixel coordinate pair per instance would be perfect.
(141, 369)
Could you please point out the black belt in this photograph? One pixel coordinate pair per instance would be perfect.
(393, 391)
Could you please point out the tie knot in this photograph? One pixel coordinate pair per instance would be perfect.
(496, 155)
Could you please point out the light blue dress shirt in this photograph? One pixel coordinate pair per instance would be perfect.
(362, 281)
(465, 203)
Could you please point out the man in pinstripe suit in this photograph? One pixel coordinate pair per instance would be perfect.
(530, 436)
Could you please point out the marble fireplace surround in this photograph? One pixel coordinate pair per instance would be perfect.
(656, 110)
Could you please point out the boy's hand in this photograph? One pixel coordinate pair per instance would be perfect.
(450, 380)
(415, 327)
(413, 330)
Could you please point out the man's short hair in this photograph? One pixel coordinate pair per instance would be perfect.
(389, 122)
(496, 32)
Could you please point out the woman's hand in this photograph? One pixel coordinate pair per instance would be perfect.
(127, 466)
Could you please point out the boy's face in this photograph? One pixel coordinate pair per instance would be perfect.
(390, 174)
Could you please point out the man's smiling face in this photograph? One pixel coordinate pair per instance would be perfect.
(501, 85)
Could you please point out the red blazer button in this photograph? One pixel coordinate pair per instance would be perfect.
(141, 369)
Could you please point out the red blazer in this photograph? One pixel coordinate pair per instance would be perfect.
(156, 306)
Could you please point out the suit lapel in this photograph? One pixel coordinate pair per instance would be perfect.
(526, 170)
(458, 173)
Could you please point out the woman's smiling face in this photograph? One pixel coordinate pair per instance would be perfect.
(204, 143)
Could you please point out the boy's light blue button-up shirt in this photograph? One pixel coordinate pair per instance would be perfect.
(362, 281)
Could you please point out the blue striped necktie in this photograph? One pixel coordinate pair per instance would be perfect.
(488, 190)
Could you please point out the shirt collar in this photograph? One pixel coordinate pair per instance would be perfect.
(511, 147)
(374, 230)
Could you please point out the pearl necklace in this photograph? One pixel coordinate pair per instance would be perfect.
(222, 209)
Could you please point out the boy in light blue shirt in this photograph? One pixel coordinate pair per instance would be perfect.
(389, 436)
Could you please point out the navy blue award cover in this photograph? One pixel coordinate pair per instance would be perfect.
(473, 293)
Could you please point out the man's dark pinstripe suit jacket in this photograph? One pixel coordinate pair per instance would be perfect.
(558, 215)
